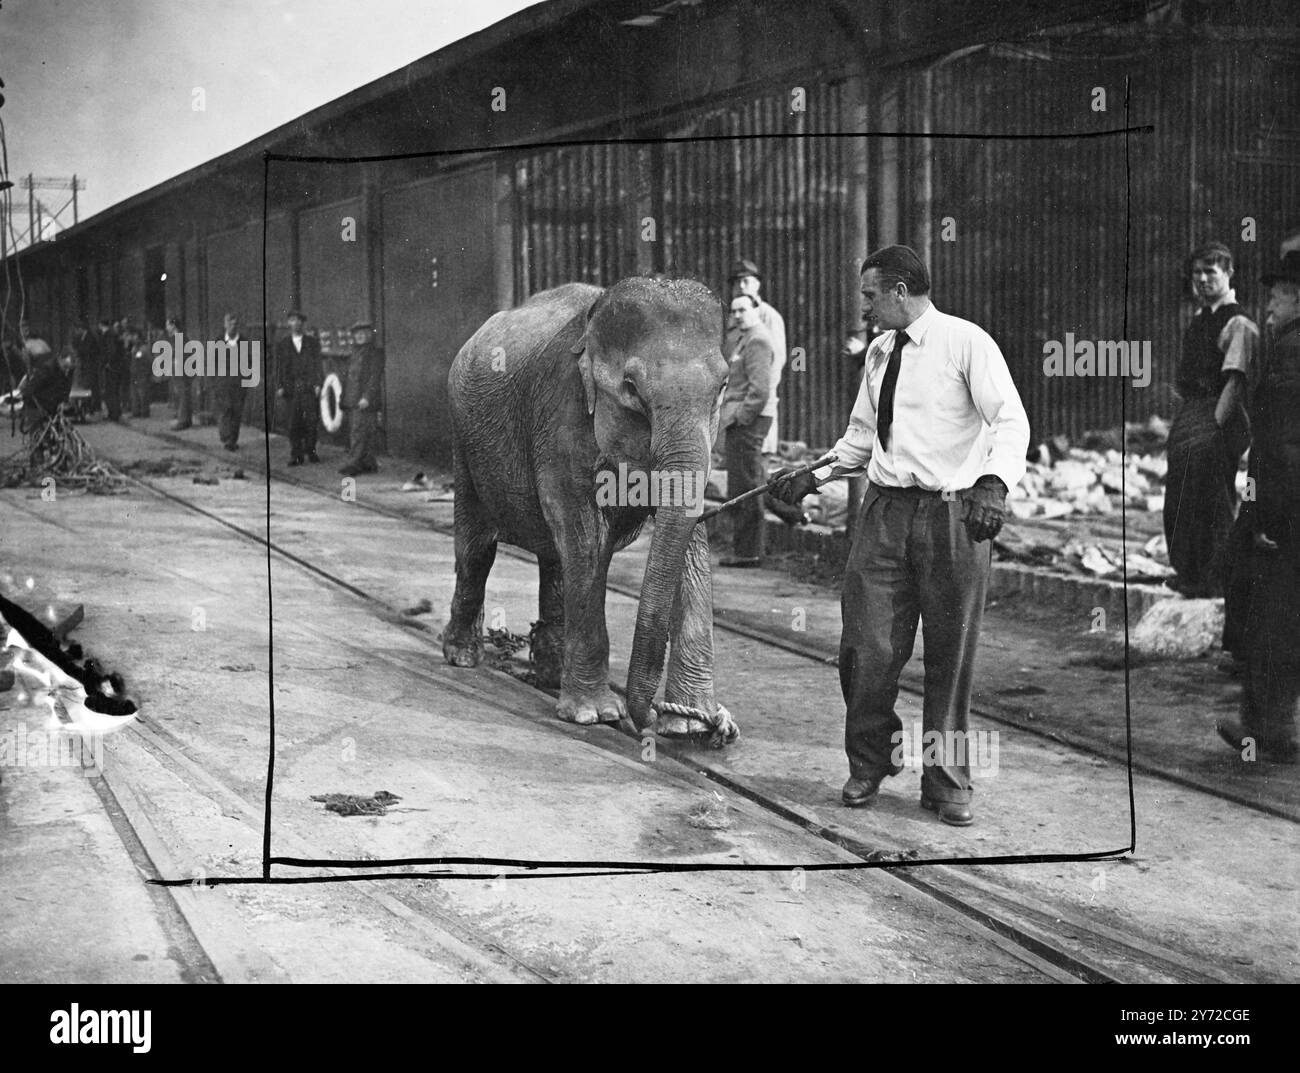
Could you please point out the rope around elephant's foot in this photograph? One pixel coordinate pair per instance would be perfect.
(695, 723)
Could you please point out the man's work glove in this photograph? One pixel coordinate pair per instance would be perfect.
(791, 489)
(985, 508)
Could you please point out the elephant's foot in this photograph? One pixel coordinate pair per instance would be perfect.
(546, 653)
(683, 721)
(601, 706)
(462, 650)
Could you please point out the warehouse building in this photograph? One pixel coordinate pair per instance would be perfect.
(1053, 161)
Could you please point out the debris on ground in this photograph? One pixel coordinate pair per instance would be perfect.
(1179, 628)
(55, 450)
(204, 479)
(505, 641)
(167, 466)
(421, 482)
(710, 814)
(377, 804)
(423, 607)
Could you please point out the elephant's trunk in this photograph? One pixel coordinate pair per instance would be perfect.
(674, 525)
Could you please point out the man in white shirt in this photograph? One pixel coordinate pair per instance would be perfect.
(940, 429)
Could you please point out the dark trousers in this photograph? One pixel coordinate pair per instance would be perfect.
(230, 408)
(1199, 494)
(1272, 641)
(114, 386)
(1237, 582)
(302, 412)
(141, 388)
(746, 471)
(183, 388)
(362, 432)
(911, 558)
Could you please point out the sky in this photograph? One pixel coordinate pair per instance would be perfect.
(103, 89)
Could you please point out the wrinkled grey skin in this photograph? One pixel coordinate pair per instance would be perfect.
(543, 397)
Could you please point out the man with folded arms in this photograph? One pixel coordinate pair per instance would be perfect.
(942, 433)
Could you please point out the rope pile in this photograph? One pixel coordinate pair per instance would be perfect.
(55, 449)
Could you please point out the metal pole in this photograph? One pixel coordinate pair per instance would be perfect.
(74, 200)
(31, 209)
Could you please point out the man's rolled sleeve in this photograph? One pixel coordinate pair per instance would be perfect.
(854, 447)
(998, 402)
(1239, 342)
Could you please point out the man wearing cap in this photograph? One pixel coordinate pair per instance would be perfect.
(361, 398)
(940, 428)
(1271, 620)
(744, 417)
(298, 382)
(745, 279)
(1210, 432)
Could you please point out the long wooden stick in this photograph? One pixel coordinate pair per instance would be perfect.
(807, 467)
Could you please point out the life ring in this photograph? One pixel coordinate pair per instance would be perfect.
(331, 413)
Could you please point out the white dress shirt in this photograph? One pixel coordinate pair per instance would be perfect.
(957, 413)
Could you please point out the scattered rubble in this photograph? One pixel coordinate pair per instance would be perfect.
(1179, 629)
(377, 804)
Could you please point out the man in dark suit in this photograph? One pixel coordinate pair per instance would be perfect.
(362, 398)
(1271, 618)
(298, 382)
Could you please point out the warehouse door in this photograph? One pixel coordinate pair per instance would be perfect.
(438, 289)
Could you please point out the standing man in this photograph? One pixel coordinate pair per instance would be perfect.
(362, 398)
(1210, 432)
(114, 360)
(745, 403)
(298, 382)
(1271, 619)
(228, 390)
(182, 386)
(940, 427)
(745, 279)
(140, 364)
(86, 344)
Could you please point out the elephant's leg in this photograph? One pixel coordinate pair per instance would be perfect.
(476, 550)
(585, 550)
(690, 662)
(546, 642)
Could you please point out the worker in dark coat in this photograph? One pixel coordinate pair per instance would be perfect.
(362, 399)
(227, 390)
(298, 383)
(113, 368)
(46, 388)
(86, 344)
(1267, 730)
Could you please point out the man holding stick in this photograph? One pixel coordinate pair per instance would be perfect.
(940, 428)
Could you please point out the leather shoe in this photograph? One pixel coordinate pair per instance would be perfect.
(1279, 752)
(954, 813)
(858, 793)
(295, 461)
(313, 457)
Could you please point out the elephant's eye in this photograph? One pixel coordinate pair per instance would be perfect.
(631, 400)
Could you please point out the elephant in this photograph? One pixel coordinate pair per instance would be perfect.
(549, 401)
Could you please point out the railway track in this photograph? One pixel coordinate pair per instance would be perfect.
(1060, 944)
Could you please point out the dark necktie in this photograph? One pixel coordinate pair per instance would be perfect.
(885, 411)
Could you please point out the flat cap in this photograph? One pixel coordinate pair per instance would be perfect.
(359, 325)
(744, 268)
(295, 313)
(1289, 272)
